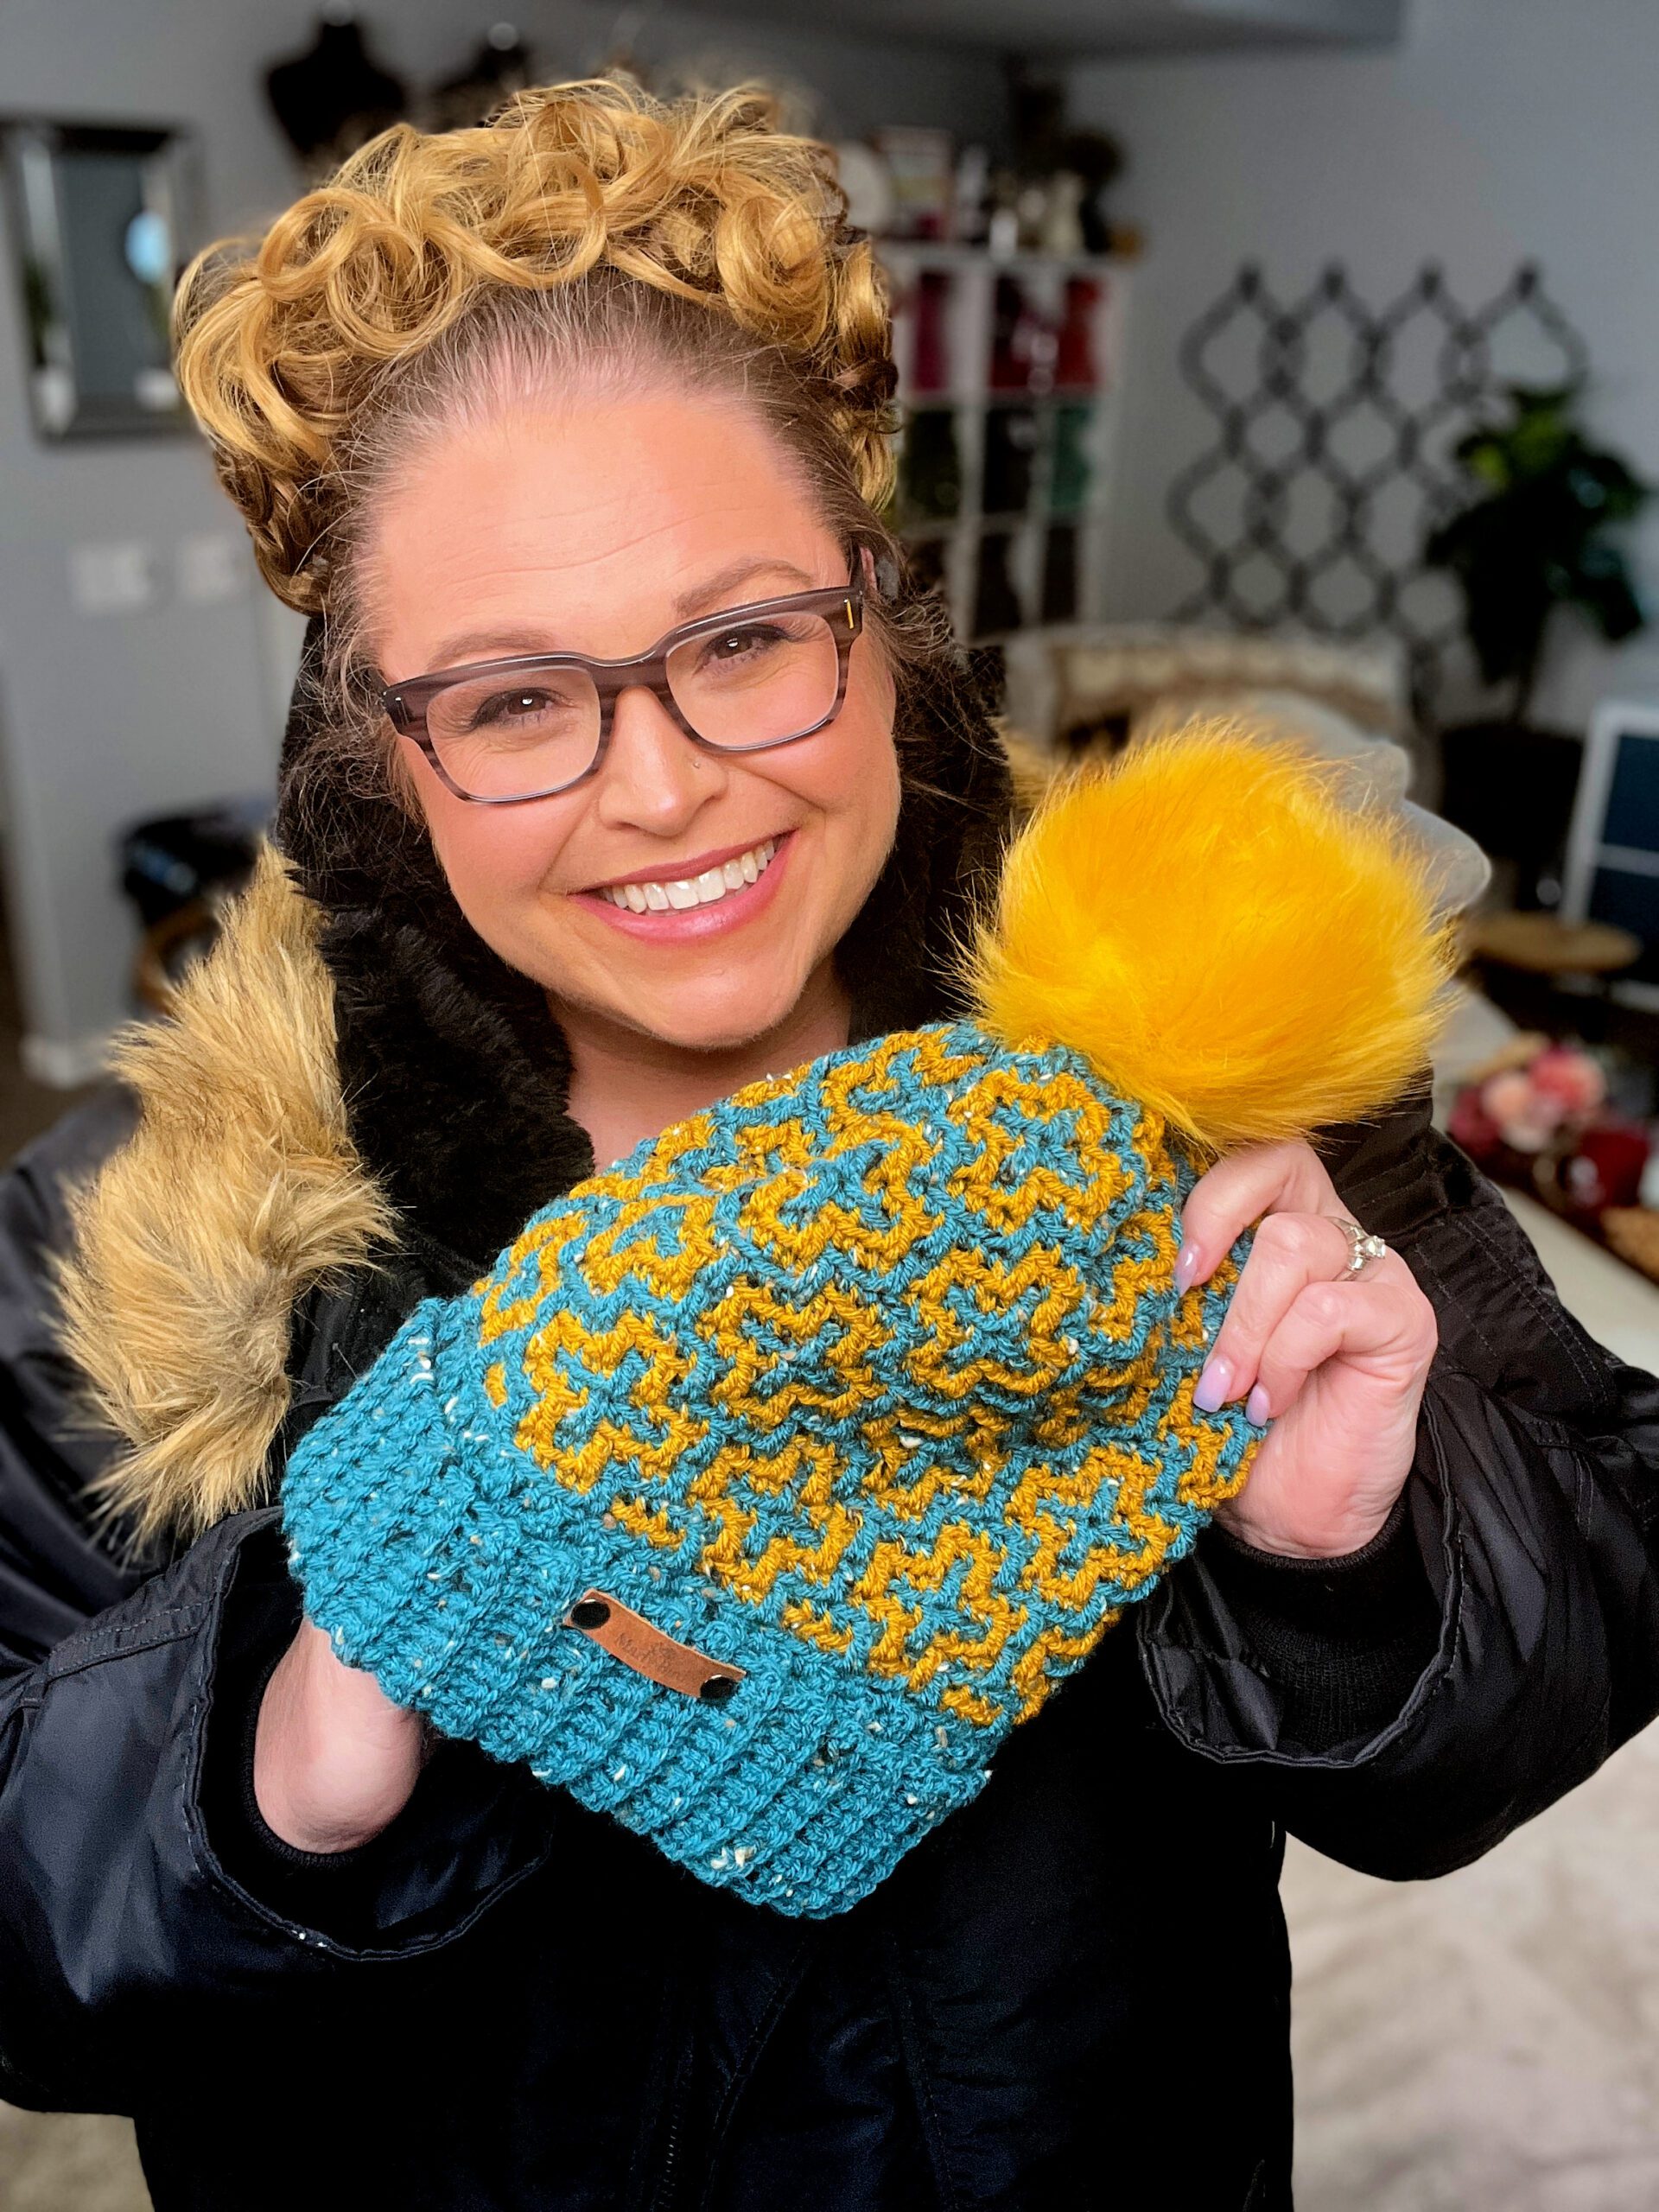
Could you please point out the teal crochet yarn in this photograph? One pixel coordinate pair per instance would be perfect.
(868, 1391)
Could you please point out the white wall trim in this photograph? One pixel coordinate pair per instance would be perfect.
(65, 1064)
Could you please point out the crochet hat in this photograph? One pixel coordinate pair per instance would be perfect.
(767, 1481)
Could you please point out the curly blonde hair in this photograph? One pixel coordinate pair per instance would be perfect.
(584, 220)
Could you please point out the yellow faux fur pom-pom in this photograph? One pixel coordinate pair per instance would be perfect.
(1230, 940)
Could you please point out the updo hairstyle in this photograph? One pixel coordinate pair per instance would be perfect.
(587, 231)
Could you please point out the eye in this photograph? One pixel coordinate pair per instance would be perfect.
(733, 646)
(523, 708)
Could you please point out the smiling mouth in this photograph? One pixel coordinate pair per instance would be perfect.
(684, 892)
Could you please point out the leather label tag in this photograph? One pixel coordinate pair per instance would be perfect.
(629, 1636)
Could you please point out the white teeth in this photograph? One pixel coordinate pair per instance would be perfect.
(700, 891)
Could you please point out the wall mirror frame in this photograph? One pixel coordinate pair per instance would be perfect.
(100, 215)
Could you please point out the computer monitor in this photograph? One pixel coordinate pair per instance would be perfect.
(1612, 852)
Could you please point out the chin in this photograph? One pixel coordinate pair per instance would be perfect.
(723, 1021)
(725, 1025)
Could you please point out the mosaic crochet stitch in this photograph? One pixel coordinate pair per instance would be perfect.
(768, 1481)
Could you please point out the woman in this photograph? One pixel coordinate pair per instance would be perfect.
(574, 382)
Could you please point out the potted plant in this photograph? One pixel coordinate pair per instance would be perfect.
(1537, 534)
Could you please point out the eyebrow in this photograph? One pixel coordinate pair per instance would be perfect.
(499, 644)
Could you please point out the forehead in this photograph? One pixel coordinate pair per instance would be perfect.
(590, 519)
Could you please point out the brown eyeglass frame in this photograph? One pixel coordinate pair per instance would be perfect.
(406, 704)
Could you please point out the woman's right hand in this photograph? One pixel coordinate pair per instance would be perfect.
(334, 1760)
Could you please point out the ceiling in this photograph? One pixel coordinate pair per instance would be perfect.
(1095, 29)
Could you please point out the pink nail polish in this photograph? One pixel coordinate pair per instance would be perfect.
(1213, 1383)
(1256, 1406)
(1186, 1266)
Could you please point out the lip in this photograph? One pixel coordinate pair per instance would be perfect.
(691, 924)
(683, 871)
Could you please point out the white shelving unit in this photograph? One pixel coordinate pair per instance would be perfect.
(1075, 424)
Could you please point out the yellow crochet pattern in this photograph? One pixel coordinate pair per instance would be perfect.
(900, 1413)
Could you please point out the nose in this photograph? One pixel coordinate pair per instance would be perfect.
(654, 778)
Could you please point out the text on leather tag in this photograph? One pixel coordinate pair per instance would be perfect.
(629, 1636)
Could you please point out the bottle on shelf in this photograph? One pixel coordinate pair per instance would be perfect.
(1070, 465)
(1075, 367)
(1024, 344)
(970, 215)
(930, 467)
(930, 362)
(996, 600)
(1060, 595)
(1010, 454)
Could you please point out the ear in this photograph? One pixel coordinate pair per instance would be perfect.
(881, 573)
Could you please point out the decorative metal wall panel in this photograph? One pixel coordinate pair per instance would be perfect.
(1332, 460)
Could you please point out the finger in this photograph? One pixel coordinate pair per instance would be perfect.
(1289, 1252)
(1239, 1189)
(1374, 1316)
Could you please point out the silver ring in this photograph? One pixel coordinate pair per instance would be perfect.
(1363, 1248)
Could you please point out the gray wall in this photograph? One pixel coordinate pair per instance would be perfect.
(1504, 129)
(105, 717)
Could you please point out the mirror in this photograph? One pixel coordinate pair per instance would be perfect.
(98, 217)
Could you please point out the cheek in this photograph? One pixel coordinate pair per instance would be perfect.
(855, 778)
(490, 855)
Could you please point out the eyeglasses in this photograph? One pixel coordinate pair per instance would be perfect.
(501, 731)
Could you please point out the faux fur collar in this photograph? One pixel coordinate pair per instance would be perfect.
(240, 1189)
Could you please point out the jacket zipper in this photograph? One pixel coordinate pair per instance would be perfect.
(662, 2200)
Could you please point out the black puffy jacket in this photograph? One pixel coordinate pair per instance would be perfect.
(1075, 1992)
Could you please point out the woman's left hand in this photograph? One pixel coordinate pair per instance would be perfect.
(1335, 1368)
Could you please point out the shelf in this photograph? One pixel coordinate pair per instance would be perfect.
(1021, 445)
(938, 253)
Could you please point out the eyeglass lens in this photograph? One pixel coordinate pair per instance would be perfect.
(755, 683)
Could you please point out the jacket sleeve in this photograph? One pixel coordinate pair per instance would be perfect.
(54, 1572)
(1512, 1608)
(129, 1886)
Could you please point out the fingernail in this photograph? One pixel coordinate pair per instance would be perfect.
(1186, 1268)
(1256, 1406)
(1213, 1384)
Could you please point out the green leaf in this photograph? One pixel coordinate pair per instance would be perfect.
(1532, 535)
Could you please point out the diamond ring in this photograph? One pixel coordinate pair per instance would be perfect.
(1363, 1247)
